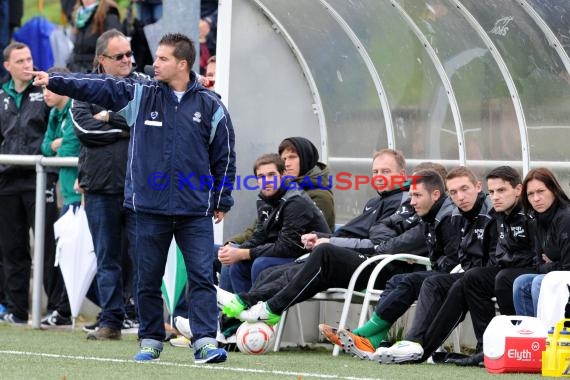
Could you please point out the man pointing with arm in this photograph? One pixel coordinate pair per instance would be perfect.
(180, 173)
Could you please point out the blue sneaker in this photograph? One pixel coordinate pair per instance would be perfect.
(147, 354)
(3, 311)
(209, 353)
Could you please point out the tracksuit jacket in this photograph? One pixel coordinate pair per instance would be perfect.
(551, 238)
(514, 244)
(182, 159)
(281, 220)
(104, 148)
(478, 234)
(361, 233)
(442, 252)
(22, 130)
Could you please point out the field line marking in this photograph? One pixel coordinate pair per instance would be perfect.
(200, 366)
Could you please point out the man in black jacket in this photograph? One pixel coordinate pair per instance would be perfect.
(442, 238)
(514, 256)
(333, 259)
(284, 214)
(477, 228)
(104, 136)
(23, 122)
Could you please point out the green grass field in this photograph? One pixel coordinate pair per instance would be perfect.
(62, 354)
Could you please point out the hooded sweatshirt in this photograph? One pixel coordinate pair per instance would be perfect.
(314, 178)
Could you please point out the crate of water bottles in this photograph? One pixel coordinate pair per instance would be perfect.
(556, 357)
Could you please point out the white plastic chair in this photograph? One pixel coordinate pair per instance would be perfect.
(331, 294)
(349, 295)
(371, 294)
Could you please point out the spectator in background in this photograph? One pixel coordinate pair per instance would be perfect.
(67, 7)
(210, 73)
(23, 118)
(16, 13)
(4, 31)
(148, 11)
(209, 15)
(60, 141)
(205, 53)
(90, 19)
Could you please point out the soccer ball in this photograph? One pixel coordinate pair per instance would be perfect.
(254, 338)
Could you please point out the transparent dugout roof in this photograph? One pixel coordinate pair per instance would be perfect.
(381, 86)
(476, 82)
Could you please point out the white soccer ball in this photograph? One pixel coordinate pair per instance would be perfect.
(255, 338)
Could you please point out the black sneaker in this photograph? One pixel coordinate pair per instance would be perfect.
(475, 360)
(56, 319)
(12, 319)
(92, 327)
(130, 325)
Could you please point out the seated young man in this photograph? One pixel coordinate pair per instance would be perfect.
(514, 256)
(477, 227)
(302, 169)
(333, 261)
(475, 290)
(283, 215)
(430, 202)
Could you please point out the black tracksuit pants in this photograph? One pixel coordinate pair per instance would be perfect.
(435, 297)
(401, 291)
(473, 293)
(326, 267)
(17, 215)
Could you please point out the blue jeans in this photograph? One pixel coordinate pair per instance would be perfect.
(194, 235)
(105, 215)
(526, 289)
(244, 273)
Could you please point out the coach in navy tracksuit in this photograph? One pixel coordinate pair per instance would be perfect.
(180, 173)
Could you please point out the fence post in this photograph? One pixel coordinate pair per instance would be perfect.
(39, 238)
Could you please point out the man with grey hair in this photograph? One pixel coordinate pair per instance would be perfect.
(104, 136)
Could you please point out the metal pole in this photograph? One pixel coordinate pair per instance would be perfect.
(39, 237)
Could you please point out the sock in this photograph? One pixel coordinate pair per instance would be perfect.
(375, 326)
(377, 339)
(240, 300)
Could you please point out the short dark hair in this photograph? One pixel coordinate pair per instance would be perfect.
(183, 47)
(396, 154)
(507, 174)
(11, 47)
(462, 171)
(269, 158)
(547, 177)
(431, 180)
(428, 165)
(286, 144)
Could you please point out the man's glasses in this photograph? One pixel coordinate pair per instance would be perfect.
(119, 57)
